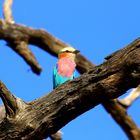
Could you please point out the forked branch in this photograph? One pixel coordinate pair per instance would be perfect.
(45, 116)
(18, 37)
(14, 33)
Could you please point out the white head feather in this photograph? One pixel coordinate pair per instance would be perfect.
(67, 49)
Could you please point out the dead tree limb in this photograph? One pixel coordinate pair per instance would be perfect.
(45, 41)
(51, 45)
(118, 111)
(18, 41)
(14, 33)
(122, 118)
(7, 11)
(133, 95)
(9, 101)
(12, 104)
(2, 112)
(48, 114)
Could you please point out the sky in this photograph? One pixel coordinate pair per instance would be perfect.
(97, 28)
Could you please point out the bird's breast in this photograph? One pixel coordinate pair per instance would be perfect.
(66, 67)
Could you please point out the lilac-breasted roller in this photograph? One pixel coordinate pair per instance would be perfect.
(64, 69)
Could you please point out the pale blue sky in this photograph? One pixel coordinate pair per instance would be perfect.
(96, 28)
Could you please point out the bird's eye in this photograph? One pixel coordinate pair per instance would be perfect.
(67, 51)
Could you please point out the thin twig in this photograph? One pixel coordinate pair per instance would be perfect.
(7, 11)
(56, 136)
(2, 112)
(129, 100)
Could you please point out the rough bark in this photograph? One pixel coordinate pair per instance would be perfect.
(46, 115)
(43, 39)
(48, 43)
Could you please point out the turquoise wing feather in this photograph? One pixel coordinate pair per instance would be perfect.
(58, 79)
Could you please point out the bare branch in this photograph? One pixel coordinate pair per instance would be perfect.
(133, 95)
(8, 99)
(45, 41)
(7, 11)
(10, 102)
(23, 35)
(15, 33)
(22, 49)
(45, 116)
(119, 115)
(18, 37)
(2, 112)
(117, 110)
(56, 136)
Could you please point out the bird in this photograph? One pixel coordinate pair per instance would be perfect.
(64, 70)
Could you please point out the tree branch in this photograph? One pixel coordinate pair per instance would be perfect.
(7, 11)
(22, 49)
(2, 113)
(18, 37)
(121, 117)
(133, 95)
(45, 116)
(116, 108)
(9, 100)
(11, 103)
(56, 136)
(13, 33)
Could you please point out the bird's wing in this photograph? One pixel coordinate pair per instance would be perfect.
(59, 79)
(54, 77)
(73, 75)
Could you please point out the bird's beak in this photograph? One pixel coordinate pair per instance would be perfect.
(76, 51)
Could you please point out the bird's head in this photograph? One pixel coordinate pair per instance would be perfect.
(68, 52)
